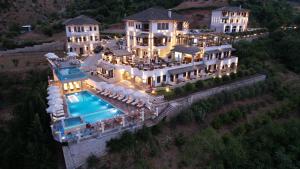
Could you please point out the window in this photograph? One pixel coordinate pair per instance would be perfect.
(234, 29)
(158, 79)
(172, 78)
(162, 26)
(84, 39)
(69, 28)
(96, 38)
(69, 39)
(91, 29)
(241, 29)
(131, 24)
(95, 28)
(227, 28)
(131, 37)
(184, 74)
(164, 78)
(78, 29)
(75, 29)
(91, 38)
(138, 26)
(82, 29)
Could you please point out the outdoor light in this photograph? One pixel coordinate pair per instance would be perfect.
(167, 89)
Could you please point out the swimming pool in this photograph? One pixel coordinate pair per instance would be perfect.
(90, 107)
(71, 73)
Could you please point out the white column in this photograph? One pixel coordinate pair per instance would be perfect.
(102, 126)
(123, 121)
(143, 114)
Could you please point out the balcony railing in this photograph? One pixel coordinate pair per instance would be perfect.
(142, 44)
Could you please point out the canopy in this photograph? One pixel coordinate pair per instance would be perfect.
(72, 54)
(118, 89)
(108, 86)
(52, 87)
(100, 85)
(54, 108)
(51, 56)
(55, 101)
(129, 91)
(52, 96)
(51, 92)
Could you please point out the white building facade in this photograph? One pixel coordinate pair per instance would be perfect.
(152, 33)
(158, 53)
(82, 35)
(229, 19)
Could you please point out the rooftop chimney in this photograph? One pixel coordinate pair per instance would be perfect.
(170, 13)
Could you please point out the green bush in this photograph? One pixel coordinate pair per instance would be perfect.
(199, 84)
(189, 87)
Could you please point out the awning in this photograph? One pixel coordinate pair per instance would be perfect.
(186, 69)
(201, 66)
(143, 35)
(121, 52)
(228, 49)
(186, 49)
(105, 66)
(212, 51)
(181, 70)
(160, 35)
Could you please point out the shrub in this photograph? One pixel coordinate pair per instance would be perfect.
(199, 84)
(179, 140)
(233, 76)
(226, 78)
(189, 87)
(178, 91)
(92, 161)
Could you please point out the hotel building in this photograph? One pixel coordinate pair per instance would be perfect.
(161, 50)
(82, 35)
(229, 19)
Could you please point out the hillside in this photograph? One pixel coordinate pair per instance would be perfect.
(29, 11)
(199, 11)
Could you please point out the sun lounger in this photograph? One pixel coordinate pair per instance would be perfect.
(77, 85)
(121, 97)
(130, 101)
(71, 86)
(65, 86)
(103, 92)
(135, 103)
(140, 105)
(106, 94)
(124, 100)
(111, 95)
(116, 96)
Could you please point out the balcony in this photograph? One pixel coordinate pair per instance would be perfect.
(142, 44)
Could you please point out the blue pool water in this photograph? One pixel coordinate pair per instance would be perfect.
(72, 73)
(90, 107)
(74, 121)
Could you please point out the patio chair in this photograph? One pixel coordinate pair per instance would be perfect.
(71, 86)
(116, 96)
(129, 101)
(77, 85)
(124, 100)
(107, 93)
(140, 105)
(135, 102)
(65, 87)
(121, 97)
(112, 95)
